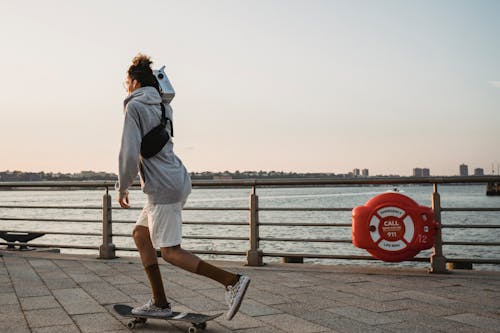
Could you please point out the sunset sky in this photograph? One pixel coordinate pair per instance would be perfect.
(305, 86)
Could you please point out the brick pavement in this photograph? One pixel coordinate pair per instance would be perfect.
(43, 292)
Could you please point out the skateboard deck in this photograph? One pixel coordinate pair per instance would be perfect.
(197, 320)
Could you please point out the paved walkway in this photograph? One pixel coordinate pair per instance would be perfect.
(41, 292)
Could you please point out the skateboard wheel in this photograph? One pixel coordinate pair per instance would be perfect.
(131, 324)
(192, 329)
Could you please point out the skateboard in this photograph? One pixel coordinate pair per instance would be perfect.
(197, 320)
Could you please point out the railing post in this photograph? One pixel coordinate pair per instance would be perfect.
(254, 254)
(107, 249)
(438, 261)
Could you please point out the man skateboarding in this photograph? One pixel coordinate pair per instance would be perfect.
(167, 184)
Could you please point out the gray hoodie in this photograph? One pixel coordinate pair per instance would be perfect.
(163, 177)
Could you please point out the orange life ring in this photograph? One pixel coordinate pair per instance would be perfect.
(393, 227)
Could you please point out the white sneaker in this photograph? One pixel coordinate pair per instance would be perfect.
(234, 295)
(150, 309)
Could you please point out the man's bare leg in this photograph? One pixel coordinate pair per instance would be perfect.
(150, 262)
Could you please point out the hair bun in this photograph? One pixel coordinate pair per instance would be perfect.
(142, 61)
(141, 71)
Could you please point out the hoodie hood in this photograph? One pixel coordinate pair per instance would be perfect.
(145, 95)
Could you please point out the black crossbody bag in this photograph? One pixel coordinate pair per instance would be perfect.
(157, 138)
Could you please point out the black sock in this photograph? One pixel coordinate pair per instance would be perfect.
(156, 282)
(217, 274)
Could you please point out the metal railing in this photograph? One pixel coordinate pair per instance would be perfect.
(254, 254)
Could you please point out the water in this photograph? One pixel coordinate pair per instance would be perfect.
(302, 197)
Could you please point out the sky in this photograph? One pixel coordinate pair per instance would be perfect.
(299, 86)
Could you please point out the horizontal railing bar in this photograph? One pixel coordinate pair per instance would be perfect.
(62, 246)
(471, 226)
(56, 233)
(353, 257)
(220, 253)
(275, 182)
(52, 207)
(292, 209)
(131, 208)
(328, 256)
(197, 237)
(273, 239)
(277, 209)
(215, 223)
(277, 224)
(63, 184)
(204, 208)
(473, 243)
(217, 238)
(269, 239)
(471, 209)
(194, 222)
(305, 209)
(216, 208)
(131, 249)
(48, 220)
(287, 224)
(475, 260)
(123, 221)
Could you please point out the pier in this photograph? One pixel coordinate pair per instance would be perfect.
(49, 292)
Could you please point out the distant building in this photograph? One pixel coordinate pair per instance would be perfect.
(464, 170)
(364, 172)
(356, 172)
(478, 172)
(421, 172)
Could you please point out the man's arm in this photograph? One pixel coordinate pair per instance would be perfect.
(128, 161)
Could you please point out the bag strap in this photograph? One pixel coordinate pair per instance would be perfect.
(164, 120)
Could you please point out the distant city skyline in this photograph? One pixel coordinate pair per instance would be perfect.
(463, 170)
(300, 86)
(18, 176)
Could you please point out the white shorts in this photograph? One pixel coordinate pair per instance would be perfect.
(164, 223)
